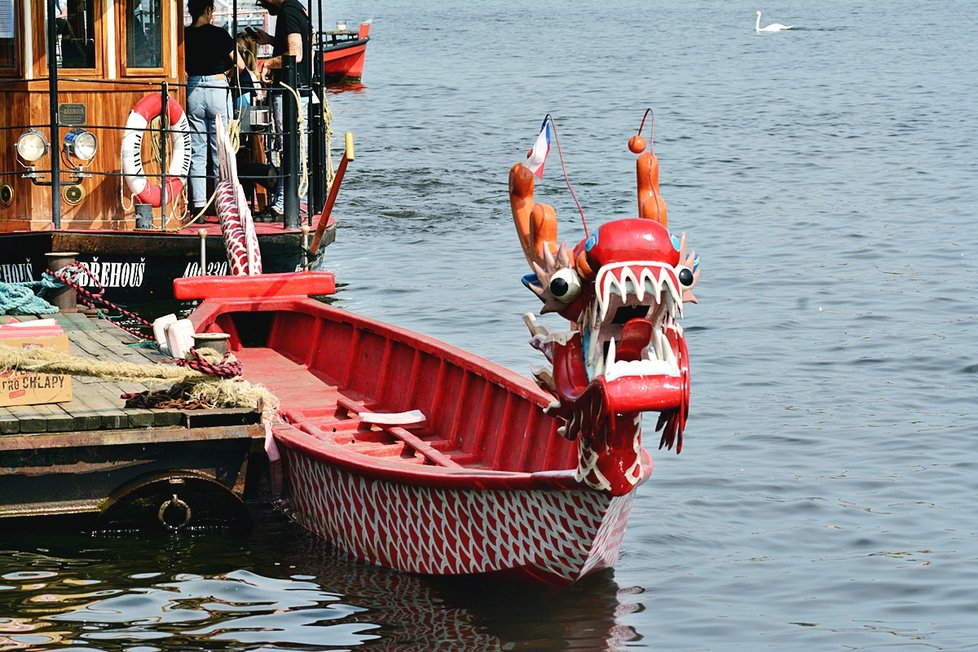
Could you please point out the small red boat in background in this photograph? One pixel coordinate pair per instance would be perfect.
(344, 52)
(407, 452)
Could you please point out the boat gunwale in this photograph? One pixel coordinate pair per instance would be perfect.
(390, 469)
(343, 45)
(430, 476)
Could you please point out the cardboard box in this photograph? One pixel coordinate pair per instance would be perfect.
(17, 388)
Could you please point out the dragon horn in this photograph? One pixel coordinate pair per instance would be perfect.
(651, 206)
(583, 269)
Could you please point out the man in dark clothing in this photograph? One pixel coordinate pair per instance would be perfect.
(293, 36)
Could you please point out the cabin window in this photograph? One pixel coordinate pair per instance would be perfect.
(8, 35)
(76, 33)
(144, 33)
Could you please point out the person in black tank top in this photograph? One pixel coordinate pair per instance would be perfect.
(208, 54)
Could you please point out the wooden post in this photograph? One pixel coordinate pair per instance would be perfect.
(64, 299)
(202, 234)
(333, 191)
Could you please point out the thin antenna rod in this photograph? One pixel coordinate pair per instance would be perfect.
(563, 166)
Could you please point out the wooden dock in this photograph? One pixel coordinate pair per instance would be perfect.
(109, 466)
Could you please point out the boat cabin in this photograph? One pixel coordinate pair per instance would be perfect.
(106, 56)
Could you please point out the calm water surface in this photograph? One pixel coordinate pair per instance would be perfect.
(827, 176)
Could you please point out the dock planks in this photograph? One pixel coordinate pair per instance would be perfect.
(97, 404)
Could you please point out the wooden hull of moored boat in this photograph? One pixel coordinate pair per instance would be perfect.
(554, 537)
(344, 54)
(346, 63)
(138, 267)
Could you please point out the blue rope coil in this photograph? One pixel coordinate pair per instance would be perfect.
(19, 298)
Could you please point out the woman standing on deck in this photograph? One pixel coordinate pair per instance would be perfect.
(246, 83)
(209, 54)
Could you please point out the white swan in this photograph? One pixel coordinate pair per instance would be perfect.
(773, 27)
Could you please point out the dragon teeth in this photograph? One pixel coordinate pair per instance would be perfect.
(629, 284)
(640, 288)
(604, 297)
(636, 281)
(670, 356)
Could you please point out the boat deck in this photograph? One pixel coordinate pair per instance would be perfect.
(68, 458)
(320, 409)
(97, 404)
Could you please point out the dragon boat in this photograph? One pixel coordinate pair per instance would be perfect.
(409, 453)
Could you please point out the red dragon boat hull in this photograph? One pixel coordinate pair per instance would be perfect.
(405, 451)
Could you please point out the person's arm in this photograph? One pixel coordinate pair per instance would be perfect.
(294, 44)
(237, 58)
(234, 59)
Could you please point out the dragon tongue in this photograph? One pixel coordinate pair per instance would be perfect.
(635, 336)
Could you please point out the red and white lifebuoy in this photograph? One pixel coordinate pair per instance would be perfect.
(178, 157)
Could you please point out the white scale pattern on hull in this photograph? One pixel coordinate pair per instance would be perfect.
(565, 534)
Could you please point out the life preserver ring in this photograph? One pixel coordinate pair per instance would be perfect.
(145, 110)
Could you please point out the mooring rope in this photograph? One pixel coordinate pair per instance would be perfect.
(196, 386)
(20, 299)
(69, 274)
(196, 359)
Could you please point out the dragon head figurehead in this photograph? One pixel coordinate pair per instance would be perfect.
(622, 288)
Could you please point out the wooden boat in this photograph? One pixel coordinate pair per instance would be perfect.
(412, 454)
(344, 52)
(407, 452)
(76, 195)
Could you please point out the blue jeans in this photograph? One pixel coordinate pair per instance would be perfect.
(278, 201)
(207, 97)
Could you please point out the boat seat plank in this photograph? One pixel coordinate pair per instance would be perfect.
(399, 449)
(343, 430)
(427, 449)
(424, 447)
(285, 377)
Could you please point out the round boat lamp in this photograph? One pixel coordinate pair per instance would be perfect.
(81, 144)
(73, 194)
(6, 194)
(31, 145)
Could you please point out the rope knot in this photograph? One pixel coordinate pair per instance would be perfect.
(205, 362)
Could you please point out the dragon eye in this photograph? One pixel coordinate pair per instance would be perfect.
(685, 276)
(565, 285)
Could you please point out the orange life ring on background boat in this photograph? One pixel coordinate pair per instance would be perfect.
(145, 110)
